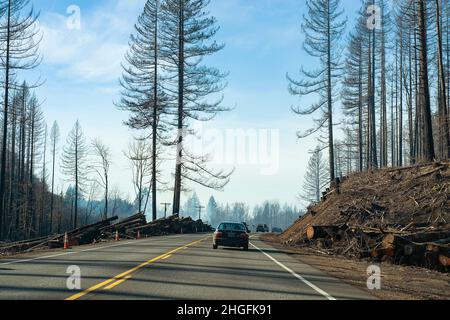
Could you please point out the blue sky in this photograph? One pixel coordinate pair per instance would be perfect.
(263, 42)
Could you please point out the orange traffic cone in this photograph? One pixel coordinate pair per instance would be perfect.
(66, 241)
(117, 236)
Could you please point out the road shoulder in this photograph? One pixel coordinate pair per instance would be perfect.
(328, 286)
(397, 282)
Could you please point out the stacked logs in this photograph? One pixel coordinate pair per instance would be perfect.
(87, 234)
(124, 228)
(136, 226)
(129, 228)
(26, 245)
(172, 225)
(427, 248)
(84, 235)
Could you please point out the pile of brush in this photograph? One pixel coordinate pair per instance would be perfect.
(397, 214)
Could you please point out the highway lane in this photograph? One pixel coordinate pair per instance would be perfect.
(172, 267)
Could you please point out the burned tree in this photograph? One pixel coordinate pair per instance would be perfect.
(427, 149)
(383, 32)
(54, 139)
(316, 178)
(143, 91)
(74, 164)
(101, 166)
(323, 27)
(187, 37)
(20, 40)
(35, 132)
(140, 156)
(353, 94)
(444, 134)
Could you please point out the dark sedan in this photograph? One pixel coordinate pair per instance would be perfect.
(231, 234)
(277, 230)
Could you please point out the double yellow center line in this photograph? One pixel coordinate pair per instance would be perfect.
(115, 281)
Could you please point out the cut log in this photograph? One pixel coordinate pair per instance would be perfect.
(320, 232)
(95, 225)
(429, 236)
(126, 224)
(392, 240)
(139, 216)
(414, 249)
(380, 253)
(444, 260)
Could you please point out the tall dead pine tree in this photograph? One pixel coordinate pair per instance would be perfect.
(427, 146)
(316, 177)
(143, 90)
(444, 135)
(102, 166)
(54, 138)
(187, 37)
(74, 164)
(323, 27)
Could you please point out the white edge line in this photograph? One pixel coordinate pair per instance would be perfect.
(73, 252)
(311, 285)
(61, 254)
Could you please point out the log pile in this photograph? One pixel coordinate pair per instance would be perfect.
(84, 235)
(400, 215)
(26, 245)
(428, 248)
(172, 225)
(125, 228)
(129, 228)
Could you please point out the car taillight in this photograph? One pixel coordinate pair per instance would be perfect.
(244, 236)
(219, 234)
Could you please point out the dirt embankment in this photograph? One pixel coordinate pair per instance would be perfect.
(397, 218)
(418, 195)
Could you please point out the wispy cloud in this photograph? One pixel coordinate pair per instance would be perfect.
(94, 52)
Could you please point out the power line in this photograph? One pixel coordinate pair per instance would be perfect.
(200, 208)
(165, 204)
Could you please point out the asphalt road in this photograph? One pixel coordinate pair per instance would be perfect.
(172, 267)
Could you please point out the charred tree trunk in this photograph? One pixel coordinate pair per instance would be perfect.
(444, 137)
(400, 106)
(427, 154)
(410, 105)
(179, 164)
(53, 186)
(5, 125)
(13, 183)
(330, 102)
(360, 112)
(383, 129)
(155, 120)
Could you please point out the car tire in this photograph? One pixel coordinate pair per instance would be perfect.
(215, 247)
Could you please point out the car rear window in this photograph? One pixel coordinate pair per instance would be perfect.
(231, 227)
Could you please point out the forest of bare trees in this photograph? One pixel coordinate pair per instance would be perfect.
(392, 92)
(31, 203)
(166, 86)
(271, 213)
(380, 92)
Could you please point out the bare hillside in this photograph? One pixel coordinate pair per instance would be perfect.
(397, 214)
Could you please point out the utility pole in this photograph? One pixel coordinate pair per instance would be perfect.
(200, 208)
(165, 204)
